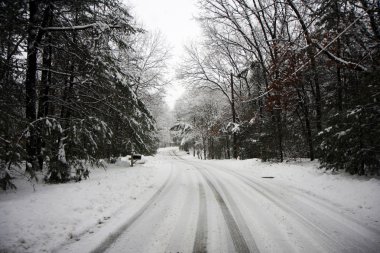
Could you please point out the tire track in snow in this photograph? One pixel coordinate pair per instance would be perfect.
(238, 215)
(329, 239)
(233, 224)
(327, 230)
(237, 237)
(284, 207)
(112, 237)
(200, 242)
(273, 198)
(309, 197)
(188, 216)
(330, 206)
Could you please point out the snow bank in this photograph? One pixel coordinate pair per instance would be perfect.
(40, 220)
(355, 194)
(45, 219)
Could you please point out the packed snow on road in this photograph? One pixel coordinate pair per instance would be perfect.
(176, 203)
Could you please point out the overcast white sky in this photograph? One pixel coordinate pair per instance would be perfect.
(175, 19)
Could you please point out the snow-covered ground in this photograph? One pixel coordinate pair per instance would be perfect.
(50, 216)
(175, 202)
(356, 194)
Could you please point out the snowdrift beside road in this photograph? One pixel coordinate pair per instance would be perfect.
(43, 220)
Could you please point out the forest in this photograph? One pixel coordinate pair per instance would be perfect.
(75, 78)
(279, 80)
(82, 81)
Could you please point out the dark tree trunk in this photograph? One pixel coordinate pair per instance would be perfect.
(43, 105)
(339, 89)
(311, 55)
(212, 148)
(45, 82)
(279, 134)
(228, 155)
(234, 137)
(30, 89)
(309, 137)
(34, 38)
(204, 148)
(194, 141)
(304, 104)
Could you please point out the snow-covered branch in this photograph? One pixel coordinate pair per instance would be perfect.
(352, 65)
(98, 25)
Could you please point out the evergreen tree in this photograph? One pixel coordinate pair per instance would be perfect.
(79, 103)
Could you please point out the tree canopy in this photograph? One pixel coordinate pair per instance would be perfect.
(74, 77)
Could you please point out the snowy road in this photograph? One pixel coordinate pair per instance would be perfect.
(207, 208)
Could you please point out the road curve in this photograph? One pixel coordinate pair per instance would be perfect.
(207, 208)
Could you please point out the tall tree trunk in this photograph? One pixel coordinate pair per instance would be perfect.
(34, 38)
(45, 82)
(279, 134)
(204, 148)
(43, 105)
(212, 151)
(339, 88)
(194, 141)
(228, 155)
(30, 88)
(311, 55)
(309, 137)
(304, 104)
(234, 137)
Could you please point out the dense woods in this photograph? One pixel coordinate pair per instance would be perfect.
(74, 76)
(284, 79)
(269, 79)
